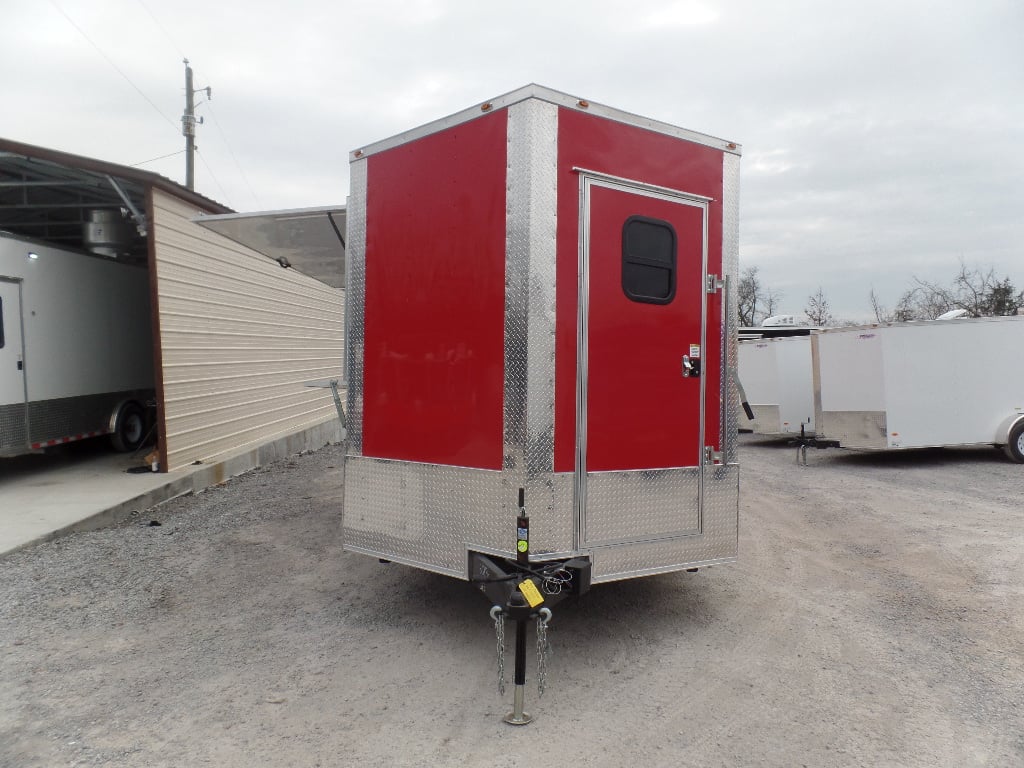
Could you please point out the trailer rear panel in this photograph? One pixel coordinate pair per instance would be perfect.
(778, 379)
(529, 308)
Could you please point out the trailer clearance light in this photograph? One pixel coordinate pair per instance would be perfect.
(33, 256)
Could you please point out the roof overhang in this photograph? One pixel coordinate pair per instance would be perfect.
(57, 197)
(309, 240)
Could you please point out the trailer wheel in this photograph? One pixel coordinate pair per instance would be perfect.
(129, 427)
(1015, 445)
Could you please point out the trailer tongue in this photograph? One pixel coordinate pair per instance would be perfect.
(541, 350)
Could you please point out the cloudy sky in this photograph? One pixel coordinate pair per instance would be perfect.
(882, 140)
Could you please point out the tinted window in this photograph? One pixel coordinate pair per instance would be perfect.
(648, 260)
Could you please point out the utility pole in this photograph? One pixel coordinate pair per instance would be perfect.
(188, 127)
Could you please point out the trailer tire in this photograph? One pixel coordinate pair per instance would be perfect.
(1015, 444)
(129, 427)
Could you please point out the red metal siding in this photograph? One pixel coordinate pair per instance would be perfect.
(626, 151)
(435, 298)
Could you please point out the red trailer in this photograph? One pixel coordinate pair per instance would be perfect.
(541, 349)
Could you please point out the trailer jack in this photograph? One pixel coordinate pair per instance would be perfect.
(804, 441)
(518, 716)
(524, 593)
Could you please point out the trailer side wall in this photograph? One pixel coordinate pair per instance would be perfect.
(435, 297)
(920, 384)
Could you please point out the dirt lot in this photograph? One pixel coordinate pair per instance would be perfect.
(876, 618)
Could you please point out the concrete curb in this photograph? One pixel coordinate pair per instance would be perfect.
(196, 479)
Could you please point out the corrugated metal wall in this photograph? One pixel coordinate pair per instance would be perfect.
(238, 337)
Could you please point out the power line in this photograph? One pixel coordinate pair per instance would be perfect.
(238, 165)
(111, 63)
(162, 29)
(162, 157)
(213, 176)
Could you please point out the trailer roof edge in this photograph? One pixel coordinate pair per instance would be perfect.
(541, 93)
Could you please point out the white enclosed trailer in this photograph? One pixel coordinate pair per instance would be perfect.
(76, 356)
(922, 384)
(778, 380)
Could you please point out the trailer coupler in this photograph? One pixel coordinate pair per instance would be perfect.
(523, 593)
(805, 441)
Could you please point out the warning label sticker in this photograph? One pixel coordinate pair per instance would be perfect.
(532, 594)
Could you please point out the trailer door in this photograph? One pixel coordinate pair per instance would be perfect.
(13, 428)
(641, 388)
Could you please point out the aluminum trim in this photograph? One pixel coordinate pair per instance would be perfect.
(660, 570)
(531, 258)
(355, 306)
(530, 242)
(582, 326)
(640, 187)
(730, 408)
(550, 96)
(703, 379)
(541, 299)
(517, 243)
(391, 557)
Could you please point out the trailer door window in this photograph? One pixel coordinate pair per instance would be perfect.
(648, 260)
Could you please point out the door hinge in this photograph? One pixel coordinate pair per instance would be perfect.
(714, 283)
(711, 456)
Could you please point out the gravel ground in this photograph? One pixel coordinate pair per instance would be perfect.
(876, 618)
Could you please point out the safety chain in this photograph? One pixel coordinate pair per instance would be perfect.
(499, 631)
(543, 650)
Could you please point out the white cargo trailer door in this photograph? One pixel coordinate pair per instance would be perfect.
(13, 428)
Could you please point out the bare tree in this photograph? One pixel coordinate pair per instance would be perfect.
(914, 304)
(756, 302)
(882, 315)
(977, 291)
(817, 309)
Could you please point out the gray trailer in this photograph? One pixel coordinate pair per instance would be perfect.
(76, 358)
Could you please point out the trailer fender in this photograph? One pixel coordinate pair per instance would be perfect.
(1011, 437)
(127, 426)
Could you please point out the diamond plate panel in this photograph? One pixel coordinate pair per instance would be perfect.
(552, 510)
(355, 304)
(717, 543)
(429, 515)
(653, 503)
(530, 285)
(422, 514)
(530, 324)
(69, 416)
(730, 271)
(13, 428)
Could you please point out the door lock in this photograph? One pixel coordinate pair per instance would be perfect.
(691, 367)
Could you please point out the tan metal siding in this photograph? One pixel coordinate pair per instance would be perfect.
(239, 336)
